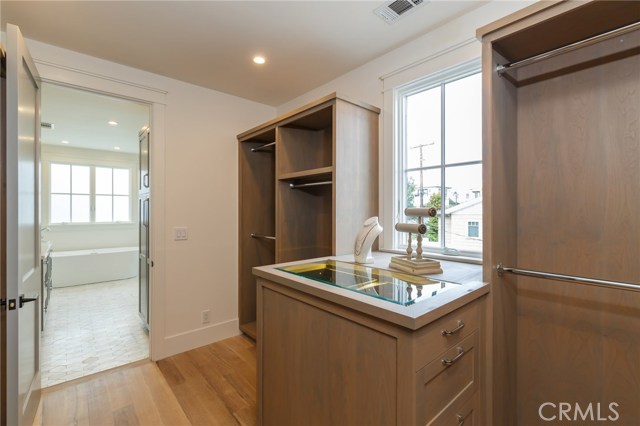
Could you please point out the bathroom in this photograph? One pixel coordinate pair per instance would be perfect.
(90, 227)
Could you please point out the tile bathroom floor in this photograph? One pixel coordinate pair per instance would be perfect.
(91, 328)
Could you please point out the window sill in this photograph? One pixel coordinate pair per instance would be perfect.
(92, 226)
(441, 256)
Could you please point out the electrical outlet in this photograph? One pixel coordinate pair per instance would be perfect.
(180, 234)
(205, 317)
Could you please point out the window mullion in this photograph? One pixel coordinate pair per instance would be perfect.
(92, 194)
(402, 161)
(466, 163)
(113, 209)
(70, 193)
(443, 145)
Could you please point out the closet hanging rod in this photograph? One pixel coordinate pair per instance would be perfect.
(264, 237)
(261, 147)
(501, 69)
(580, 280)
(304, 185)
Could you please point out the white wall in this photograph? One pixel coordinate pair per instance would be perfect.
(200, 167)
(88, 236)
(365, 84)
(199, 192)
(449, 45)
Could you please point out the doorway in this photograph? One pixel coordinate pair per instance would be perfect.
(90, 228)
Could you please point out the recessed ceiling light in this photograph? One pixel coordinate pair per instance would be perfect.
(117, 148)
(65, 142)
(259, 60)
(112, 123)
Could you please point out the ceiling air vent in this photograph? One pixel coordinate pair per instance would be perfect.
(47, 125)
(391, 11)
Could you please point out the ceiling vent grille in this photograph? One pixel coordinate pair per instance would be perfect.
(47, 125)
(391, 11)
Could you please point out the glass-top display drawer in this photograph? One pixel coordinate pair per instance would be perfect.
(397, 287)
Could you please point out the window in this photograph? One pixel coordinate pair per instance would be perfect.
(89, 194)
(473, 229)
(439, 143)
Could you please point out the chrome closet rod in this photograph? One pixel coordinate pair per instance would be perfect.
(304, 185)
(500, 69)
(265, 237)
(581, 280)
(261, 147)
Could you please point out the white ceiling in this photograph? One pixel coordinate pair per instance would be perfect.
(212, 43)
(81, 118)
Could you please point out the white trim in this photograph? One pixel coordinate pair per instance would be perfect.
(158, 344)
(92, 82)
(156, 99)
(445, 58)
(188, 340)
(446, 75)
(450, 49)
(42, 63)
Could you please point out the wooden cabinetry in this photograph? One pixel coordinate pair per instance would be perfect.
(561, 183)
(307, 182)
(321, 363)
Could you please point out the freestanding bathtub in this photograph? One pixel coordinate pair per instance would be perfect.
(93, 265)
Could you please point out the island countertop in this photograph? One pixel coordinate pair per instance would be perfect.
(414, 316)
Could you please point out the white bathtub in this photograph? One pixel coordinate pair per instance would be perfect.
(93, 266)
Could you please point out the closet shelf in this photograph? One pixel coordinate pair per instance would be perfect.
(322, 172)
(318, 216)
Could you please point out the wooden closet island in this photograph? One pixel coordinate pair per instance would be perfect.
(401, 349)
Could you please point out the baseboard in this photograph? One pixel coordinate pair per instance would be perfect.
(182, 342)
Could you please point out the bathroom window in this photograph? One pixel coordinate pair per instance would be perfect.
(439, 152)
(112, 194)
(89, 194)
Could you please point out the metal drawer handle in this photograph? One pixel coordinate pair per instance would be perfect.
(460, 419)
(449, 362)
(446, 332)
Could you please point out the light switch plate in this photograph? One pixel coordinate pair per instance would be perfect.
(180, 234)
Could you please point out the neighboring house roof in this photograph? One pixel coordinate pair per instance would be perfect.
(463, 206)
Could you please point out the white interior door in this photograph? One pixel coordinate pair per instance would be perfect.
(22, 231)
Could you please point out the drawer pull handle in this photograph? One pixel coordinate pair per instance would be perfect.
(449, 362)
(460, 419)
(446, 332)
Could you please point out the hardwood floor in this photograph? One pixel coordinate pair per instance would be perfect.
(211, 385)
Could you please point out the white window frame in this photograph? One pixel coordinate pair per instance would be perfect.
(92, 158)
(400, 94)
(92, 192)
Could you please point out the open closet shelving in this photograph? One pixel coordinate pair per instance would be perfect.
(561, 108)
(296, 173)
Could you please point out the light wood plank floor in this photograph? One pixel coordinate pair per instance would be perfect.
(212, 385)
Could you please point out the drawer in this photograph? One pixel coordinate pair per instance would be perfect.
(461, 412)
(449, 330)
(453, 374)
